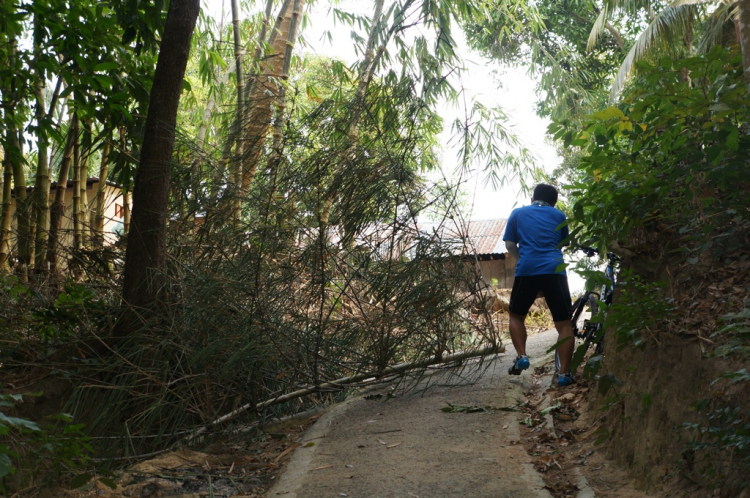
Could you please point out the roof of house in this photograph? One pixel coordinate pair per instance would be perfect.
(482, 237)
(487, 235)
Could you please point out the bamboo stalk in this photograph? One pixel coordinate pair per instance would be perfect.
(76, 194)
(101, 187)
(83, 206)
(236, 170)
(57, 210)
(5, 218)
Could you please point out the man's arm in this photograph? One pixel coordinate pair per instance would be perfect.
(512, 248)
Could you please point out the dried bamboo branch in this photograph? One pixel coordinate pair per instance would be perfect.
(400, 368)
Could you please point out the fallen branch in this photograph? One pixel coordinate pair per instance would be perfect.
(339, 383)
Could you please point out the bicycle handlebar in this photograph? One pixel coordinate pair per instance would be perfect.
(590, 251)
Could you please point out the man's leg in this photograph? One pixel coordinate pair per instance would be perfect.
(565, 350)
(557, 294)
(523, 294)
(517, 327)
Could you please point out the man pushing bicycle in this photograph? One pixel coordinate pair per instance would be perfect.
(533, 236)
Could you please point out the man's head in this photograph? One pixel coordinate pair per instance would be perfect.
(545, 192)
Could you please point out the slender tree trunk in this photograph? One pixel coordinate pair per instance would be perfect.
(57, 209)
(5, 217)
(126, 211)
(83, 175)
(196, 171)
(146, 256)
(743, 26)
(76, 194)
(23, 211)
(263, 90)
(41, 183)
(278, 123)
(100, 191)
(125, 190)
(14, 154)
(236, 170)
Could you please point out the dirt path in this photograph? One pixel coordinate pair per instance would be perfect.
(408, 447)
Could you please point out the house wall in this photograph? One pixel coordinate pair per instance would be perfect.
(500, 269)
(112, 222)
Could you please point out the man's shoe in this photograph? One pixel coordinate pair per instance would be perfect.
(564, 380)
(519, 365)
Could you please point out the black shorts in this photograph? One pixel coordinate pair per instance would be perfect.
(556, 293)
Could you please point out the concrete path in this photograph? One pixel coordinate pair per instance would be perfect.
(407, 447)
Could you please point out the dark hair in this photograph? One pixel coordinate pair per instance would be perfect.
(545, 192)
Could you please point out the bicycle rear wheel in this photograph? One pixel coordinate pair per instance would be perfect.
(584, 308)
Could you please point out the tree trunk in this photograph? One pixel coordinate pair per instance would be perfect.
(236, 169)
(83, 175)
(146, 256)
(100, 191)
(278, 123)
(23, 211)
(743, 26)
(42, 182)
(57, 210)
(5, 216)
(125, 190)
(263, 91)
(76, 194)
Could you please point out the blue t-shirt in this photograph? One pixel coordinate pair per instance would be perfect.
(536, 229)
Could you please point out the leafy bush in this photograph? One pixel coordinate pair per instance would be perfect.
(29, 452)
(671, 157)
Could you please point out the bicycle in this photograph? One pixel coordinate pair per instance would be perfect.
(587, 306)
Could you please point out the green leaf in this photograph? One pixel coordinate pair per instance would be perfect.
(6, 465)
(104, 66)
(19, 422)
(603, 434)
(107, 482)
(104, 80)
(608, 113)
(549, 409)
(80, 480)
(558, 344)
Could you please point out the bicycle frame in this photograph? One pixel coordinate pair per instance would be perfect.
(609, 289)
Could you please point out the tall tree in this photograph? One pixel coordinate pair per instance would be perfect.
(743, 26)
(146, 256)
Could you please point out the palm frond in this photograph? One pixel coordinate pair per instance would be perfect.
(662, 30)
(598, 28)
(718, 27)
(609, 7)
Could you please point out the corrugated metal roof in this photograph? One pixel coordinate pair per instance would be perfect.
(483, 236)
(487, 235)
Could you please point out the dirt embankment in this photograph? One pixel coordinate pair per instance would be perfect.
(664, 380)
